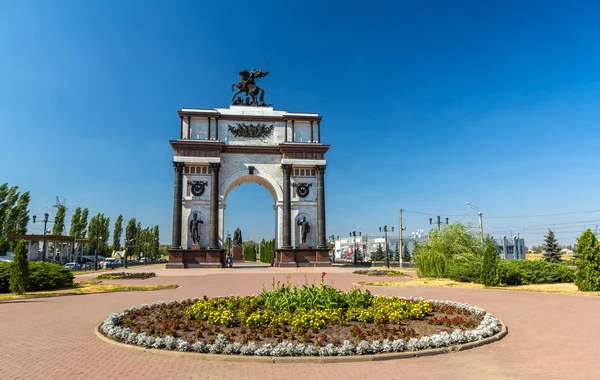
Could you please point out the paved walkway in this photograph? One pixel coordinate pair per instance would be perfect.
(550, 336)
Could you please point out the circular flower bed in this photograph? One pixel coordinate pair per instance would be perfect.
(308, 321)
(379, 272)
(126, 276)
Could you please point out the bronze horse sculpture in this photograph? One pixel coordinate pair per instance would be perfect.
(249, 87)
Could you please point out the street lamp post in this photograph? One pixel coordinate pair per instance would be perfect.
(127, 246)
(387, 249)
(332, 239)
(353, 234)
(45, 226)
(439, 222)
(98, 241)
(480, 218)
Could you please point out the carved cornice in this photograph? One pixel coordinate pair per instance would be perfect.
(287, 168)
(320, 168)
(214, 167)
(251, 131)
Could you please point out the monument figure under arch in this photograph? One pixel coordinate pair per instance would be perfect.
(221, 148)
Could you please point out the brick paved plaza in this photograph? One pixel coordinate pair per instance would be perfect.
(550, 336)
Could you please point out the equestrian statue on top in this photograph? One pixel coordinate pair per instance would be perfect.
(248, 86)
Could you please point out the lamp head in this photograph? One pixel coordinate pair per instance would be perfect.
(34, 217)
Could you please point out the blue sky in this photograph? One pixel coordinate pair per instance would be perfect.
(426, 105)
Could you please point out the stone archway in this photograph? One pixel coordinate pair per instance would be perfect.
(259, 178)
(222, 148)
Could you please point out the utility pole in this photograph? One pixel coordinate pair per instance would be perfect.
(401, 244)
(481, 225)
(480, 218)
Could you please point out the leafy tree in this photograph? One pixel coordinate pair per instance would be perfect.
(118, 230)
(587, 277)
(98, 229)
(19, 272)
(59, 221)
(75, 222)
(454, 241)
(155, 243)
(23, 213)
(131, 233)
(490, 272)
(83, 222)
(406, 254)
(14, 215)
(379, 254)
(552, 251)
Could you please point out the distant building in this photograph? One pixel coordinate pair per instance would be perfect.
(344, 247)
(510, 248)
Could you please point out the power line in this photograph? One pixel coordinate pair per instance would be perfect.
(542, 215)
(508, 217)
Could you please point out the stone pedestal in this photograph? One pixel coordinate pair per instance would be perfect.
(238, 254)
(195, 247)
(196, 258)
(309, 257)
(304, 246)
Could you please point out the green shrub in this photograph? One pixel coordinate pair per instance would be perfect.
(588, 262)
(514, 272)
(46, 276)
(465, 271)
(489, 270)
(4, 277)
(42, 276)
(526, 272)
(19, 270)
(453, 242)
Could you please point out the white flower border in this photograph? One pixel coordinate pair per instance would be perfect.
(488, 327)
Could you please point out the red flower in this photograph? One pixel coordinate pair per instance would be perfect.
(323, 274)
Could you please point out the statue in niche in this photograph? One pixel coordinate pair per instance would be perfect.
(304, 229)
(237, 237)
(195, 229)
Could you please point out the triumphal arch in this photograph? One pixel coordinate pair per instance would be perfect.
(250, 141)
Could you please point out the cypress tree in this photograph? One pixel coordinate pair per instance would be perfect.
(405, 253)
(587, 277)
(19, 271)
(551, 248)
(490, 272)
(379, 254)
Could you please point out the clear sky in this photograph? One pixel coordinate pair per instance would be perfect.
(426, 105)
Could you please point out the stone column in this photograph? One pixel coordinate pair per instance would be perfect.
(321, 237)
(287, 207)
(213, 237)
(177, 204)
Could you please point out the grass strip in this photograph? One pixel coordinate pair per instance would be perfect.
(86, 287)
(562, 288)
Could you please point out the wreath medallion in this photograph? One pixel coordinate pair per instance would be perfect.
(302, 189)
(198, 187)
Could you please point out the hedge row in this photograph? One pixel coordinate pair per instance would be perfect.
(514, 272)
(42, 276)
